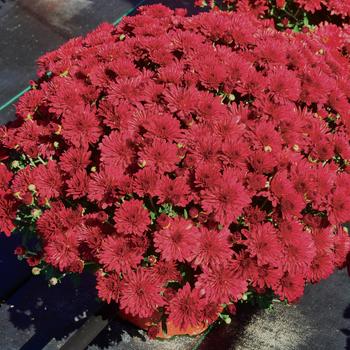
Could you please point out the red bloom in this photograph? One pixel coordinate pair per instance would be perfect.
(339, 207)
(81, 126)
(266, 276)
(58, 220)
(62, 252)
(103, 186)
(166, 271)
(108, 287)
(29, 103)
(211, 311)
(321, 267)
(341, 247)
(119, 254)
(48, 180)
(221, 284)
(235, 152)
(132, 217)
(117, 149)
(186, 308)
(164, 127)
(8, 211)
(283, 85)
(176, 242)
(175, 191)
(290, 287)
(74, 159)
(146, 182)
(78, 184)
(140, 293)
(5, 178)
(226, 199)
(292, 203)
(298, 248)
(181, 101)
(160, 155)
(213, 248)
(262, 241)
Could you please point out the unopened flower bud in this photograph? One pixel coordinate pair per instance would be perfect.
(15, 164)
(36, 213)
(36, 271)
(296, 148)
(53, 281)
(142, 164)
(163, 221)
(152, 260)
(193, 212)
(28, 199)
(31, 187)
(20, 250)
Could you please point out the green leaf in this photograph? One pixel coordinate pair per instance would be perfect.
(185, 214)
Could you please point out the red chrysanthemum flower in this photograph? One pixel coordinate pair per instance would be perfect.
(119, 254)
(132, 217)
(62, 252)
(81, 126)
(108, 287)
(181, 101)
(175, 191)
(321, 267)
(160, 155)
(29, 103)
(298, 248)
(117, 149)
(8, 211)
(341, 246)
(186, 308)
(166, 271)
(58, 220)
(78, 184)
(74, 159)
(213, 248)
(48, 180)
(164, 127)
(177, 241)
(290, 287)
(226, 199)
(221, 284)
(211, 311)
(263, 243)
(339, 207)
(146, 182)
(140, 293)
(283, 85)
(103, 186)
(266, 276)
(5, 178)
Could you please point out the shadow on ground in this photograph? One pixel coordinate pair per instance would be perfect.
(346, 331)
(36, 314)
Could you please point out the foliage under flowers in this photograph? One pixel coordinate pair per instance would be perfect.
(191, 161)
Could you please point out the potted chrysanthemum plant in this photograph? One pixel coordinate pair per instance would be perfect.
(191, 163)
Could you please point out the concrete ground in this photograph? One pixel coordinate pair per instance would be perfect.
(35, 317)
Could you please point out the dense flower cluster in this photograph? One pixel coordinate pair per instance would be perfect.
(288, 13)
(189, 159)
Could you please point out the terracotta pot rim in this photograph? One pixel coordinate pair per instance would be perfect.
(171, 330)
